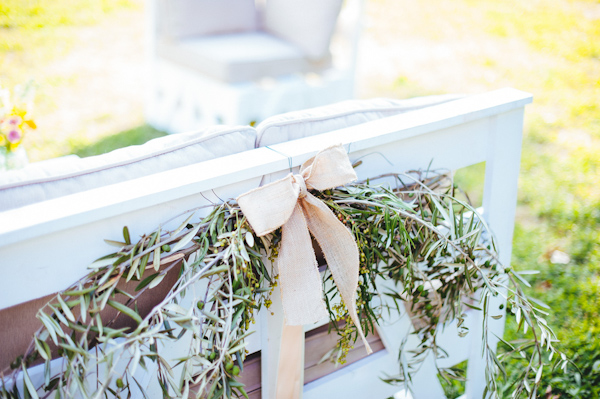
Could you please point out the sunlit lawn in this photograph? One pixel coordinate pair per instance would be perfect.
(559, 184)
(86, 57)
(550, 48)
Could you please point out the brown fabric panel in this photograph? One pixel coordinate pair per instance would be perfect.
(250, 377)
(19, 323)
(257, 394)
(17, 326)
(319, 342)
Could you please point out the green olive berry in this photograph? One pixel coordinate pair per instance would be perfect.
(236, 370)
(166, 248)
(229, 366)
(212, 356)
(200, 305)
(120, 383)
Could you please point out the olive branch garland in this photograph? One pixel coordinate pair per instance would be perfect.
(433, 246)
(222, 253)
(421, 235)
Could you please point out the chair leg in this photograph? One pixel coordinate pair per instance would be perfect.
(272, 330)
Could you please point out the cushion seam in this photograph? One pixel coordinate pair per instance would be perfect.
(316, 119)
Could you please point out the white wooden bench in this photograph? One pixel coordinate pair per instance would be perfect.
(45, 247)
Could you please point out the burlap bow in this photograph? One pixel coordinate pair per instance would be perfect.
(288, 203)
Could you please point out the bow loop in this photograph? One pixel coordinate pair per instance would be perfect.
(288, 203)
(268, 207)
(328, 169)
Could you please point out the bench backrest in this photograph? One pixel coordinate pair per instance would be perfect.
(45, 247)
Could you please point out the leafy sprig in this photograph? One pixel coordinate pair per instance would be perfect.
(442, 257)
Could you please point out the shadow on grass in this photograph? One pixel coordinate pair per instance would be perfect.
(135, 136)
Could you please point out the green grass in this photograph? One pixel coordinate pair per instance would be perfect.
(34, 34)
(549, 26)
(36, 31)
(135, 136)
(470, 181)
(33, 15)
(559, 200)
(572, 292)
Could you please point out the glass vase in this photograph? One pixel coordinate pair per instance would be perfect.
(11, 160)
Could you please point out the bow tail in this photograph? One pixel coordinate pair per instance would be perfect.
(340, 251)
(301, 288)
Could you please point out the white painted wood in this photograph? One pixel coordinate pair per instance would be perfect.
(272, 328)
(183, 100)
(503, 160)
(54, 215)
(45, 247)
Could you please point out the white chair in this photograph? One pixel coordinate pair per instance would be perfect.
(237, 62)
(39, 256)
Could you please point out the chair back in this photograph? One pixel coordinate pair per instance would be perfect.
(45, 247)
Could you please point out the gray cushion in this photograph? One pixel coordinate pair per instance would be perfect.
(309, 24)
(43, 182)
(239, 57)
(184, 18)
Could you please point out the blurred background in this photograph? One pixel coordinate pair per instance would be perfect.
(87, 59)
